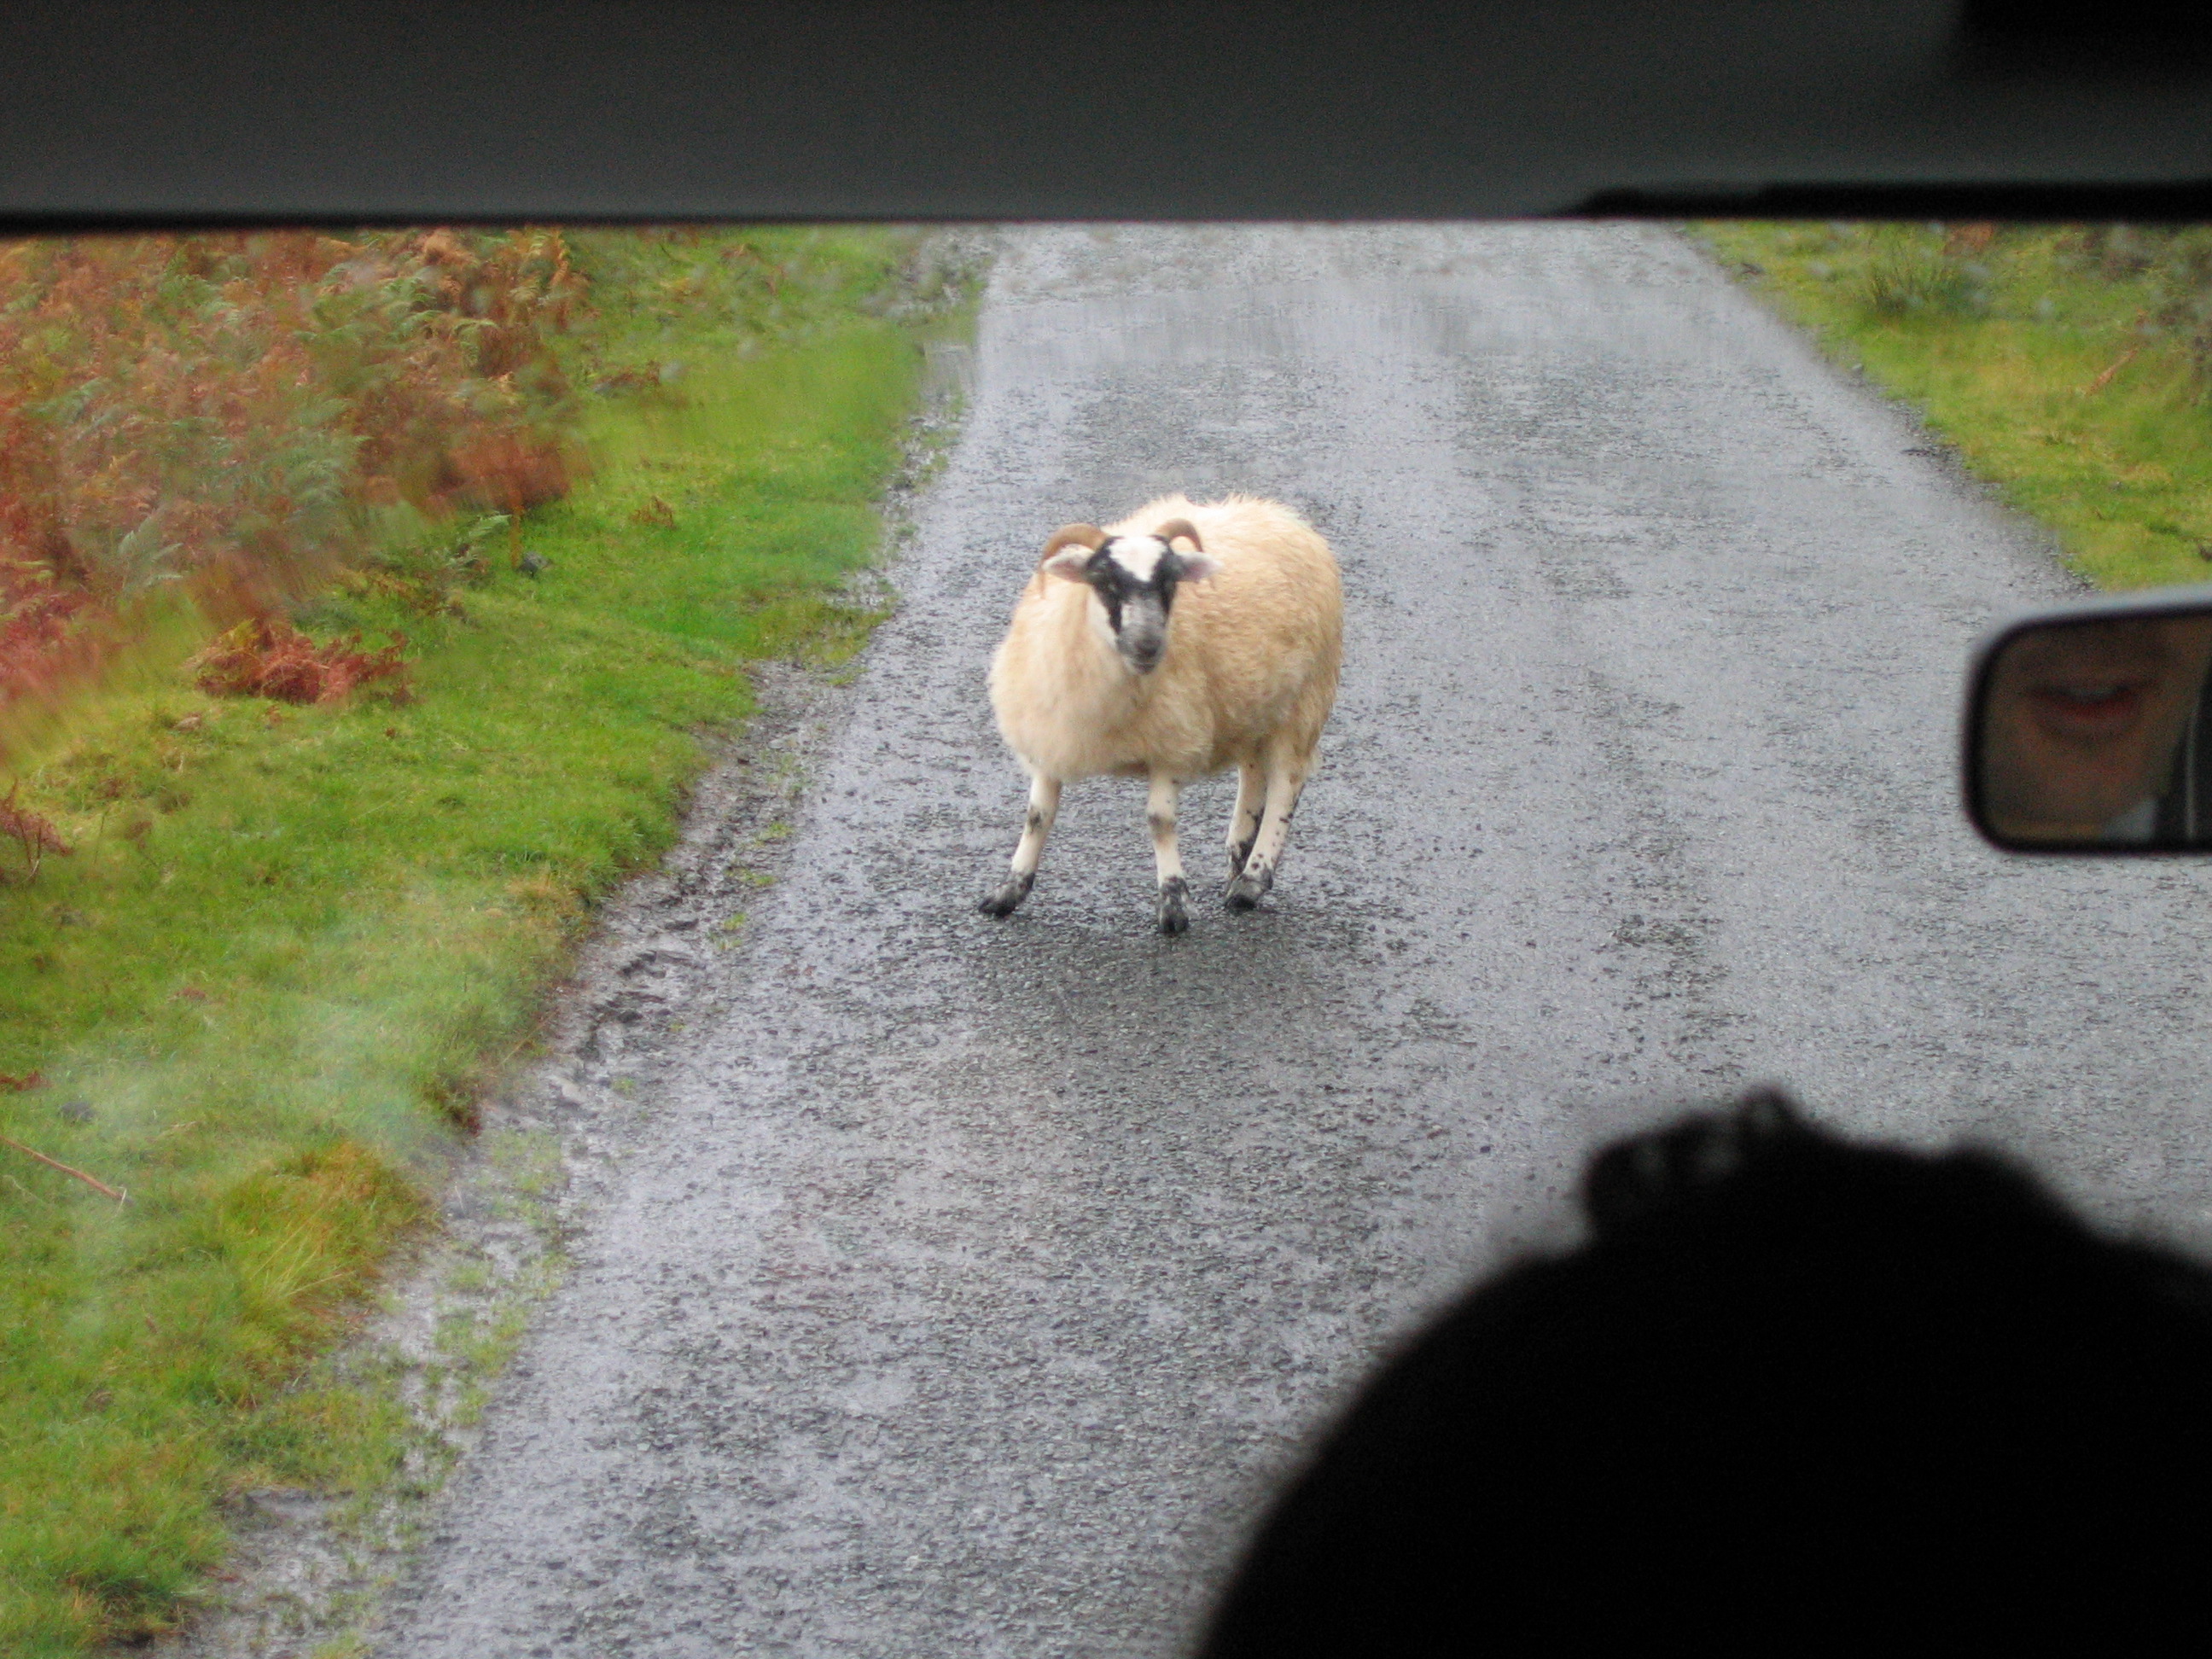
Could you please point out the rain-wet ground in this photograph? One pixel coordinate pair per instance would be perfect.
(970, 1282)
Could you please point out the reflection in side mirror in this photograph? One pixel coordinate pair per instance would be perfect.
(2087, 729)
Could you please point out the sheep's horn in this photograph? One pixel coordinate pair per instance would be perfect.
(1073, 535)
(1175, 527)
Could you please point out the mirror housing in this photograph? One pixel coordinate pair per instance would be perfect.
(2088, 729)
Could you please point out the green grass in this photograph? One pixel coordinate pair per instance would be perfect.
(292, 945)
(2046, 366)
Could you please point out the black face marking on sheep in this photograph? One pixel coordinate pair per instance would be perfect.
(1134, 578)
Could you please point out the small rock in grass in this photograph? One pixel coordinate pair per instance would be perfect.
(76, 1111)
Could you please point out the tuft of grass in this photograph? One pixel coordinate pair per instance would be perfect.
(291, 944)
(2063, 372)
(1905, 275)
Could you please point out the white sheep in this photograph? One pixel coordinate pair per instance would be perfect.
(1129, 655)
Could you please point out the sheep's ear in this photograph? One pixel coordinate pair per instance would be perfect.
(1196, 566)
(1071, 565)
(1068, 555)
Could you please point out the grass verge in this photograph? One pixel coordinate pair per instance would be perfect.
(291, 944)
(2038, 356)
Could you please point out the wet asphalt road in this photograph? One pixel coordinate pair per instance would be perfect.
(976, 1278)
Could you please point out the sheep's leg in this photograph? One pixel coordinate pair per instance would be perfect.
(1286, 777)
(1160, 819)
(1245, 823)
(1044, 807)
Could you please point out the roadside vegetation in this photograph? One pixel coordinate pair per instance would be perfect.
(2070, 366)
(365, 602)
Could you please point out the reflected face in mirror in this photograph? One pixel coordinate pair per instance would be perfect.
(2081, 723)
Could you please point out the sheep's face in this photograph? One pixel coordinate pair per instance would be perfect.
(1135, 579)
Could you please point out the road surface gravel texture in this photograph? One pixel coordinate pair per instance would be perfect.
(977, 1279)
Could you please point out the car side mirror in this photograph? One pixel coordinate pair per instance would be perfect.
(2087, 728)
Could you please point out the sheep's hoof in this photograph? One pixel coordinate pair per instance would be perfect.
(1249, 887)
(1174, 917)
(1008, 899)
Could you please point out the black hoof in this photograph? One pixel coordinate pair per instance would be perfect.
(1008, 899)
(1246, 892)
(1174, 917)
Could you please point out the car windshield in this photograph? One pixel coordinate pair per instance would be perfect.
(508, 730)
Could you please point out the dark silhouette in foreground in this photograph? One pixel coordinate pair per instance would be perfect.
(1793, 1388)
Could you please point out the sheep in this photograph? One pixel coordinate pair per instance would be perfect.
(1186, 639)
